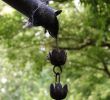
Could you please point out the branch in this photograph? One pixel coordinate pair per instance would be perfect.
(101, 69)
(106, 70)
(86, 44)
(105, 44)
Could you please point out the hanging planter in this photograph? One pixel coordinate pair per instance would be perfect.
(57, 57)
(58, 92)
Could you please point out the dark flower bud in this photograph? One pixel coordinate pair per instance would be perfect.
(57, 92)
(57, 57)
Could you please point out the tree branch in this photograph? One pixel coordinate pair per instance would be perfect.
(105, 44)
(106, 70)
(86, 44)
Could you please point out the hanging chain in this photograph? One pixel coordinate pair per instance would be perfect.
(58, 58)
(57, 73)
(56, 40)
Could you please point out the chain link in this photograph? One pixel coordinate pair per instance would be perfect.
(57, 73)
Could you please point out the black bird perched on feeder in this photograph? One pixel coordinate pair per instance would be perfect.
(39, 14)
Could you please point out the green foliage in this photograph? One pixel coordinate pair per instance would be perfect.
(25, 74)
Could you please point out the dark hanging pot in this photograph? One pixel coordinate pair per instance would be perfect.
(58, 92)
(57, 57)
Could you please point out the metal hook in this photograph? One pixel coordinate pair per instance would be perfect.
(57, 73)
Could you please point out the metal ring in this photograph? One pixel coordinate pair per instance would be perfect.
(56, 71)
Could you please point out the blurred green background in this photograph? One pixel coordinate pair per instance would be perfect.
(25, 74)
